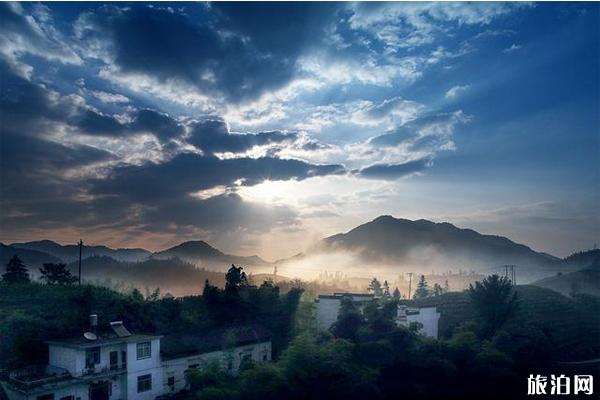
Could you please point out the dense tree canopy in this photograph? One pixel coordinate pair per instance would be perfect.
(16, 272)
(57, 274)
(495, 302)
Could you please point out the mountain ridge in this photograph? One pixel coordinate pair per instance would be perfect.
(439, 246)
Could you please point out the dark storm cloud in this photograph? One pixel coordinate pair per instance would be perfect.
(221, 213)
(188, 173)
(44, 187)
(213, 136)
(33, 186)
(162, 125)
(394, 171)
(24, 104)
(27, 107)
(230, 50)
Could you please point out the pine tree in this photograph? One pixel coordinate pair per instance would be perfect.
(16, 271)
(446, 286)
(386, 289)
(57, 274)
(375, 287)
(422, 289)
(437, 289)
(396, 294)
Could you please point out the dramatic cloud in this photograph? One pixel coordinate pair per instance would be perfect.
(213, 136)
(213, 120)
(33, 34)
(171, 44)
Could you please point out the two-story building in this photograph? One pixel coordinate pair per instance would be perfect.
(120, 365)
(328, 309)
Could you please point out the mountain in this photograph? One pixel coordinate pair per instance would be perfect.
(202, 254)
(424, 245)
(172, 275)
(33, 259)
(70, 252)
(586, 280)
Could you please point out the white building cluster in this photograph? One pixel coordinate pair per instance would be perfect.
(328, 308)
(121, 365)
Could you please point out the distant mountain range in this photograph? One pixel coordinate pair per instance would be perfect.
(425, 245)
(200, 252)
(70, 252)
(584, 281)
(386, 241)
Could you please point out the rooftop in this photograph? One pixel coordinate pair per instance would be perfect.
(340, 295)
(108, 339)
(185, 344)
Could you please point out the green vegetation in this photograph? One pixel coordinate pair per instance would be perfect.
(495, 345)
(16, 272)
(422, 289)
(492, 336)
(31, 313)
(57, 274)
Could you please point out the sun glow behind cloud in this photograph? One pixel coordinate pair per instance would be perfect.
(348, 110)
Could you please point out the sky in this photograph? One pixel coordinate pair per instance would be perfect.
(261, 128)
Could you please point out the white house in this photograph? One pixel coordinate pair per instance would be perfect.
(328, 308)
(121, 365)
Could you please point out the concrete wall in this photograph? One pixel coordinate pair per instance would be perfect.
(64, 357)
(177, 367)
(136, 368)
(327, 312)
(429, 317)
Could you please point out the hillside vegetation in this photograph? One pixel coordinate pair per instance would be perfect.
(570, 325)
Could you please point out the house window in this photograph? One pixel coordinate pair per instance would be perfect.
(68, 397)
(123, 359)
(171, 381)
(144, 383)
(143, 350)
(114, 360)
(49, 396)
(92, 357)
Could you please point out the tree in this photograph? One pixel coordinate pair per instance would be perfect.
(396, 294)
(375, 287)
(386, 289)
(437, 289)
(235, 278)
(16, 271)
(57, 274)
(446, 286)
(349, 320)
(495, 302)
(422, 289)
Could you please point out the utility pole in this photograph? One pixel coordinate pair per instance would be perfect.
(410, 274)
(514, 268)
(80, 246)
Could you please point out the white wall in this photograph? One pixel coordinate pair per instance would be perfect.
(146, 366)
(327, 312)
(63, 357)
(429, 317)
(177, 367)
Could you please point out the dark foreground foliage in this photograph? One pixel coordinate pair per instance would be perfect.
(491, 339)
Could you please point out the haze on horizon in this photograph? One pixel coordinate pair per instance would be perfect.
(261, 128)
